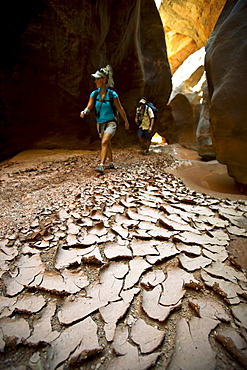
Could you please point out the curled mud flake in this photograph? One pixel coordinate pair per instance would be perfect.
(71, 240)
(14, 331)
(192, 346)
(77, 308)
(137, 266)
(139, 217)
(230, 291)
(143, 247)
(221, 254)
(93, 257)
(120, 231)
(192, 238)
(151, 212)
(42, 329)
(125, 221)
(7, 253)
(234, 344)
(129, 359)
(42, 244)
(190, 249)
(161, 233)
(166, 250)
(63, 214)
(74, 280)
(7, 306)
(67, 257)
(173, 225)
(226, 272)
(116, 208)
(146, 336)
(174, 286)
(153, 278)
(208, 308)
(98, 229)
(114, 250)
(52, 281)
(73, 228)
(194, 263)
(88, 239)
(97, 215)
(152, 307)
(74, 344)
(239, 312)
(29, 303)
(29, 269)
(115, 311)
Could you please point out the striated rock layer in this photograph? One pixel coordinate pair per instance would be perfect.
(188, 25)
(226, 53)
(50, 48)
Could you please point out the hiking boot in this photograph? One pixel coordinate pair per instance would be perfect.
(100, 168)
(110, 166)
(146, 151)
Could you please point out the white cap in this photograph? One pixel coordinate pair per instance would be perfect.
(143, 101)
(102, 73)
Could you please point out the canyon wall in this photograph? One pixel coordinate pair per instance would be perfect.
(188, 25)
(49, 50)
(226, 67)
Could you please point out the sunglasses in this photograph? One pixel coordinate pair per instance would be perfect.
(105, 73)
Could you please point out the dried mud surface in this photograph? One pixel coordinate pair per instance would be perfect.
(143, 267)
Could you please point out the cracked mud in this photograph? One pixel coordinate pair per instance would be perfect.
(130, 270)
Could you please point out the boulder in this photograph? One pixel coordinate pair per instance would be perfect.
(226, 70)
(185, 100)
(49, 51)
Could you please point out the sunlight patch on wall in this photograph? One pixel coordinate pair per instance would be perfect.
(158, 2)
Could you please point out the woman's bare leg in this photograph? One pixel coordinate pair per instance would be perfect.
(106, 150)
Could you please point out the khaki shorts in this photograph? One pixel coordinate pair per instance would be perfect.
(109, 127)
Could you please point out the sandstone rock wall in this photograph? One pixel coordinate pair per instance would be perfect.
(226, 55)
(188, 25)
(49, 51)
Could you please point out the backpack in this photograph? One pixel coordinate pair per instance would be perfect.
(114, 109)
(154, 109)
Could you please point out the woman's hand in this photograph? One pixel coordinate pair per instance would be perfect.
(127, 126)
(89, 107)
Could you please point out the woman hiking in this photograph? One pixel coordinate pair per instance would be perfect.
(105, 100)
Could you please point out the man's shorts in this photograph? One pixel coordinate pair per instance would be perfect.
(109, 127)
(145, 134)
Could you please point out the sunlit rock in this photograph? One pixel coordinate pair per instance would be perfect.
(188, 26)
